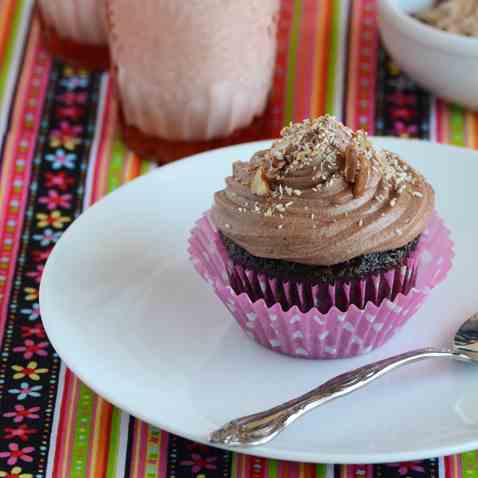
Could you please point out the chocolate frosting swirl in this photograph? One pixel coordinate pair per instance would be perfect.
(295, 201)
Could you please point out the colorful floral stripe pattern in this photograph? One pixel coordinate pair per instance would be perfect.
(20, 148)
(186, 459)
(94, 439)
(454, 125)
(14, 26)
(29, 371)
(312, 38)
(359, 98)
(402, 108)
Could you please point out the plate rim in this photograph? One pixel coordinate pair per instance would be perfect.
(267, 451)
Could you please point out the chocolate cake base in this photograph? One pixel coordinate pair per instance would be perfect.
(356, 268)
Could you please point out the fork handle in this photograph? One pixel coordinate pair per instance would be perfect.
(259, 428)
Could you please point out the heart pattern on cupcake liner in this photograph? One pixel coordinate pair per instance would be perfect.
(312, 334)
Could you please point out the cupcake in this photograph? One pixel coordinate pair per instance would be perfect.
(327, 229)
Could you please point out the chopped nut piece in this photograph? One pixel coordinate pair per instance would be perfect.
(351, 164)
(259, 184)
(357, 165)
(362, 177)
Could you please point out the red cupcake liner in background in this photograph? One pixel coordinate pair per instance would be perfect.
(344, 330)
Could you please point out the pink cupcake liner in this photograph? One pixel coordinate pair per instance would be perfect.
(342, 294)
(337, 333)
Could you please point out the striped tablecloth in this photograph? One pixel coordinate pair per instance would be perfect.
(61, 152)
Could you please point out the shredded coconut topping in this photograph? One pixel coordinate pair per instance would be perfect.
(322, 150)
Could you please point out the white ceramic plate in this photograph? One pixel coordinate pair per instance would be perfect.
(127, 313)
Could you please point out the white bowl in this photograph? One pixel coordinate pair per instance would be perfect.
(444, 63)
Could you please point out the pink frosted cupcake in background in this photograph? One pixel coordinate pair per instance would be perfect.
(316, 245)
(75, 31)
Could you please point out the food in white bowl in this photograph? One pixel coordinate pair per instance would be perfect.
(444, 63)
(454, 16)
